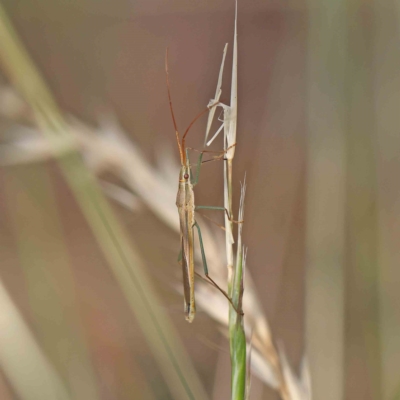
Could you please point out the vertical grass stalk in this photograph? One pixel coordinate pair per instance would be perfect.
(235, 278)
(236, 329)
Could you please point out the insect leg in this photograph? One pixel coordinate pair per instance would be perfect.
(218, 208)
(203, 256)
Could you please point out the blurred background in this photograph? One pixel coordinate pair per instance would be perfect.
(318, 98)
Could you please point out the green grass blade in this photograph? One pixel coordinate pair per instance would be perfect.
(238, 360)
(236, 329)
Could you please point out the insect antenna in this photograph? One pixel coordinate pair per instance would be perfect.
(180, 147)
(181, 143)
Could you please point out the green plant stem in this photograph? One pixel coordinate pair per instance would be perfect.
(237, 337)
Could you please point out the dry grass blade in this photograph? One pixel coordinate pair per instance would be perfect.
(231, 134)
(22, 361)
(121, 196)
(218, 93)
(298, 388)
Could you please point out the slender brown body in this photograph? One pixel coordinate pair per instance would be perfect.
(185, 204)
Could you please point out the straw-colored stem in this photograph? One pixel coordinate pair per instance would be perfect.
(228, 223)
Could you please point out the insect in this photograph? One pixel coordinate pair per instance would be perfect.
(186, 209)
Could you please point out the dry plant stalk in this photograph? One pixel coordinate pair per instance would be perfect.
(237, 334)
